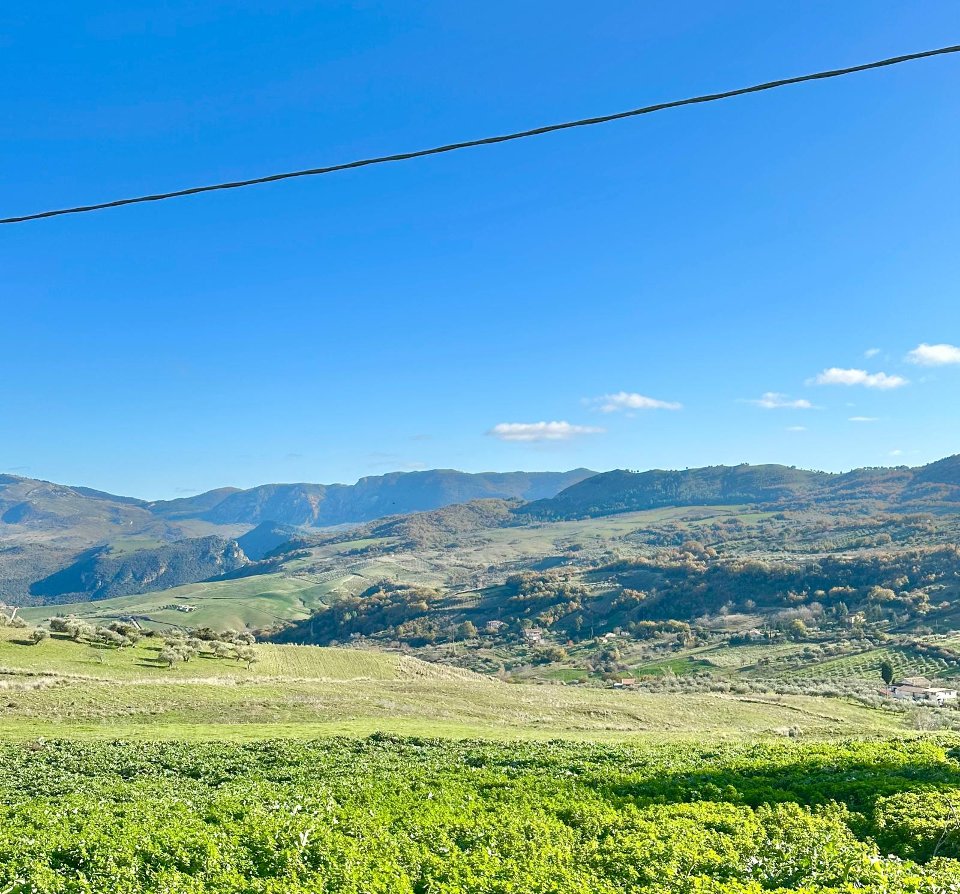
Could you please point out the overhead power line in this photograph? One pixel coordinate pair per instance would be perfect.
(485, 141)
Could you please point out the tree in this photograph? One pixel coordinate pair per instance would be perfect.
(886, 671)
(796, 629)
(467, 630)
(39, 635)
(247, 654)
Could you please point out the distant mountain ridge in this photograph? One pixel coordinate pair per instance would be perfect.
(32, 503)
(932, 487)
(48, 528)
(397, 493)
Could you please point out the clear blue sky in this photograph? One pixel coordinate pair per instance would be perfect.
(392, 318)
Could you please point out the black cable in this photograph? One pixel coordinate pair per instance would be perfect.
(467, 144)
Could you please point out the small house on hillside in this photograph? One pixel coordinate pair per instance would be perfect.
(533, 635)
(920, 689)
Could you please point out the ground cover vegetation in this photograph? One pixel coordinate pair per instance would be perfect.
(386, 814)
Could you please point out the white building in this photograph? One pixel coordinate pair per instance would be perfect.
(920, 689)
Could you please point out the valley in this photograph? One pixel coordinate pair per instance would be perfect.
(706, 604)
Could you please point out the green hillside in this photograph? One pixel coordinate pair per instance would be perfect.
(253, 602)
(60, 687)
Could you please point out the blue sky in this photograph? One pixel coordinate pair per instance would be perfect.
(393, 318)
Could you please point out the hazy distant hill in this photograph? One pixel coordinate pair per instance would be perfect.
(48, 528)
(932, 487)
(623, 491)
(28, 503)
(397, 493)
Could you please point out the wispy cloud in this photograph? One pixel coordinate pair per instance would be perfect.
(383, 460)
(934, 355)
(863, 419)
(630, 400)
(774, 400)
(541, 431)
(837, 376)
(897, 452)
(871, 352)
(796, 428)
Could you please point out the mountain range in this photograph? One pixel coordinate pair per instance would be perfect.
(57, 540)
(933, 487)
(28, 503)
(60, 543)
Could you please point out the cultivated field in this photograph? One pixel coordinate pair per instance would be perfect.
(389, 816)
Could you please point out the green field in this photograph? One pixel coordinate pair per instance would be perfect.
(254, 602)
(392, 816)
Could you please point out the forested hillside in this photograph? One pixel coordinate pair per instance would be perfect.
(935, 486)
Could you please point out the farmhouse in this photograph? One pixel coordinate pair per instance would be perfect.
(920, 689)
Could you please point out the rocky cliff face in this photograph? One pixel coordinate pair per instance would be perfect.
(98, 574)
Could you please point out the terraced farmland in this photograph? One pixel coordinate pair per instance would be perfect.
(866, 666)
(746, 656)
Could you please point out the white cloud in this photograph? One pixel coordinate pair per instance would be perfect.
(836, 376)
(796, 428)
(934, 355)
(541, 431)
(629, 400)
(863, 419)
(871, 352)
(896, 453)
(774, 400)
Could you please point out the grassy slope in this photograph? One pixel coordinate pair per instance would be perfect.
(246, 602)
(61, 688)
